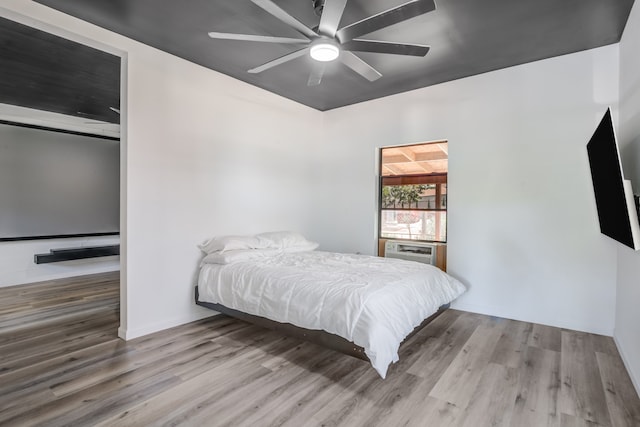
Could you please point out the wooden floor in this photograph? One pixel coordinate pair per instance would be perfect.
(60, 367)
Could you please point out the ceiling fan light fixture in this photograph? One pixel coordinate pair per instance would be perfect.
(324, 52)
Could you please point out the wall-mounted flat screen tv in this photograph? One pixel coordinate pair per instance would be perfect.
(617, 211)
(57, 184)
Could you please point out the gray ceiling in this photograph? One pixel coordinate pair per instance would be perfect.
(467, 37)
(45, 72)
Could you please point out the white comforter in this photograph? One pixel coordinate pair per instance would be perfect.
(374, 302)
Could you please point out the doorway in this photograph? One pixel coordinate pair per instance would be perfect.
(59, 81)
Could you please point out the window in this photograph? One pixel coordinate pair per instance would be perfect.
(413, 192)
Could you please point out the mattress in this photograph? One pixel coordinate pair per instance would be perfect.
(371, 301)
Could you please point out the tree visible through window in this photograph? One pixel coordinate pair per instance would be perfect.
(413, 192)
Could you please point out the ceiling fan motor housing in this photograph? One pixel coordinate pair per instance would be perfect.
(318, 5)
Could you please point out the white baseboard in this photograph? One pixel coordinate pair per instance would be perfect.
(635, 379)
(122, 333)
(131, 333)
(546, 320)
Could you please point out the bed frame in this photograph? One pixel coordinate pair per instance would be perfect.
(319, 337)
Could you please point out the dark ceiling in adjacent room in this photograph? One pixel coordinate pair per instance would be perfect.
(466, 37)
(45, 72)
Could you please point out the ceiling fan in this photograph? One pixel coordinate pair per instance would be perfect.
(327, 43)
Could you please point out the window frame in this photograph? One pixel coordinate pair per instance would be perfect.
(433, 178)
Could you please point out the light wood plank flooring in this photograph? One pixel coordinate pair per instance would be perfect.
(463, 369)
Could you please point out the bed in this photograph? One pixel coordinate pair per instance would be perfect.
(362, 305)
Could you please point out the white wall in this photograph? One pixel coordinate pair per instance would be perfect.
(208, 155)
(18, 267)
(16, 258)
(204, 154)
(523, 232)
(627, 332)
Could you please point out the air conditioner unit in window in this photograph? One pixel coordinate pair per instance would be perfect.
(412, 251)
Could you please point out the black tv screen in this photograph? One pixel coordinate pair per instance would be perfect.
(57, 184)
(617, 212)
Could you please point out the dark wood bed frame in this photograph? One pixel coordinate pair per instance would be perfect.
(320, 337)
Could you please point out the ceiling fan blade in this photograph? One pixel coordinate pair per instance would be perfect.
(276, 11)
(115, 110)
(252, 38)
(384, 19)
(286, 58)
(359, 66)
(386, 47)
(331, 15)
(316, 75)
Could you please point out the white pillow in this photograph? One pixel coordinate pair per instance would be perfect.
(284, 240)
(309, 246)
(231, 243)
(229, 257)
